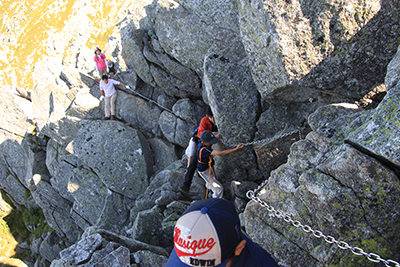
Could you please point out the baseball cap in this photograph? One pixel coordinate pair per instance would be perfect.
(206, 234)
(194, 130)
(209, 137)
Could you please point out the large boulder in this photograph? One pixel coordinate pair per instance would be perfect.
(379, 135)
(236, 106)
(119, 155)
(191, 30)
(233, 96)
(15, 113)
(82, 250)
(311, 44)
(176, 126)
(164, 153)
(10, 180)
(62, 98)
(332, 188)
(141, 114)
(55, 208)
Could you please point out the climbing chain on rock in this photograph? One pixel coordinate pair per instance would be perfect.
(269, 140)
(133, 92)
(252, 194)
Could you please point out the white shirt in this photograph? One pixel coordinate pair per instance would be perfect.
(108, 88)
(191, 149)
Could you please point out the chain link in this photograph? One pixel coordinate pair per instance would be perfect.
(269, 140)
(318, 234)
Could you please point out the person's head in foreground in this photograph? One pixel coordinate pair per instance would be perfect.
(208, 234)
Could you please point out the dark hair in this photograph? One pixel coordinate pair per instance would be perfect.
(104, 77)
(209, 112)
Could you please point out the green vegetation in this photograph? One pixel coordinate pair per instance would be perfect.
(14, 227)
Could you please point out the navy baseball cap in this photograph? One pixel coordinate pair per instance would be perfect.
(209, 137)
(206, 234)
(194, 130)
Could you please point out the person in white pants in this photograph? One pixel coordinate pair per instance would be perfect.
(109, 93)
(205, 162)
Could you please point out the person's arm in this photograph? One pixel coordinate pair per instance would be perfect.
(105, 62)
(101, 93)
(189, 160)
(126, 86)
(95, 64)
(226, 152)
(116, 66)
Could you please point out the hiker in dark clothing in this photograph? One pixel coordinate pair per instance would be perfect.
(113, 68)
(206, 123)
(192, 159)
(205, 161)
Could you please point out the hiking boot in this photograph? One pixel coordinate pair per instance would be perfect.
(113, 117)
(106, 118)
(183, 189)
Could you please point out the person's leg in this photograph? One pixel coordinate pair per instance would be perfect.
(189, 174)
(107, 100)
(215, 186)
(113, 104)
(103, 72)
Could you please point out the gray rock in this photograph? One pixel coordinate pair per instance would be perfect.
(239, 189)
(379, 135)
(234, 98)
(273, 151)
(282, 118)
(50, 96)
(164, 153)
(185, 80)
(132, 44)
(146, 228)
(166, 100)
(60, 263)
(16, 112)
(167, 82)
(149, 259)
(63, 130)
(118, 258)
(327, 187)
(14, 160)
(192, 29)
(168, 124)
(55, 208)
(85, 105)
(191, 111)
(51, 247)
(11, 184)
(119, 155)
(89, 193)
(98, 255)
(35, 244)
(292, 43)
(115, 213)
(333, 121)
(352, 71)
(393, 71)
(82, 250)
(141, 114)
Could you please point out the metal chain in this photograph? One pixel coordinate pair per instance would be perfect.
(269, 140)
(133, 92)
(318, 234)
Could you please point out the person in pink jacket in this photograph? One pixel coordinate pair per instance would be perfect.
(100, 62)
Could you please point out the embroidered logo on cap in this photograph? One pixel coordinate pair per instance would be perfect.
(198, 244)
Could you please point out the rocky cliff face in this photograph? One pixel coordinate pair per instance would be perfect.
(286, 74)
